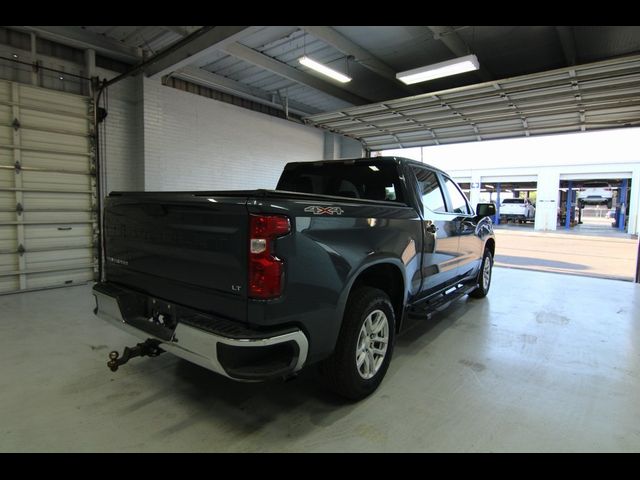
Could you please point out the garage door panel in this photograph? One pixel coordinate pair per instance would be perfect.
(6, 157)
(56, 161)
(9, 283)
(6, 135)
(7, 200)
(5, 113)
(37, 119)
(8, 237)
(59, 260)
(56, 181)
(65, 219)
(55, 226)
(8, 262)
(62, 201)
(59, 279)
(60, 101)
(38, 237)
(54, 141)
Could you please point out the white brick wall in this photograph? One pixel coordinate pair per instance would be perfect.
(196, 143)
(122, 147)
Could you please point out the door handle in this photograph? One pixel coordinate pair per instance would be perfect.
(432, 228)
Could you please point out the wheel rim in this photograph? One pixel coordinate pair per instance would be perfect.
(372, 344)
(486, 273)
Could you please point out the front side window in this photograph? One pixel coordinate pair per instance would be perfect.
(430, 191)
(458, 200)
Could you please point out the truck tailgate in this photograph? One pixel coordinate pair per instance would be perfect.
(182, 247)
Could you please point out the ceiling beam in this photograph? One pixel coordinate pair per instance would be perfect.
(218, 82)
(361, 55)
(195, 46)
(83, 39)
(458, 46)
(568, 43)
(282, 69)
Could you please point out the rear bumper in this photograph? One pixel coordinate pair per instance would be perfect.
(215, 344)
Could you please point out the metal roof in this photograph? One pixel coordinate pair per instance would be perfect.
(260, 63)
(583, 97)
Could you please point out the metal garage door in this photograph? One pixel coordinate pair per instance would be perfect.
(48, 220)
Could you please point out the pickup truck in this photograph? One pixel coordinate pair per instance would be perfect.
(325, 270)
(517, 209)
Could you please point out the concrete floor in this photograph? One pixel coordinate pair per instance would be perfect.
(553, 366)
(608, 257)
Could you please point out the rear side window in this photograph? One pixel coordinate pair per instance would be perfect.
(430, 190)
(458, 200)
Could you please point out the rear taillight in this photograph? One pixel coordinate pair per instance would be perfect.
(265, 269)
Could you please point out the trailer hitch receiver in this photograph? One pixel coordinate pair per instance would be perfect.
(147, 348)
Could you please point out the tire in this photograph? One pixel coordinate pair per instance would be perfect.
(483, 283)
(340, 372)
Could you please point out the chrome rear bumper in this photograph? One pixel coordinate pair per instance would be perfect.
(202, 347)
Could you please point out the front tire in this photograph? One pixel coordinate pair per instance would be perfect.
(365, 345)
(484, 276)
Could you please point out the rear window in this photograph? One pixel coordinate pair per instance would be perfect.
(372, 180)
(513, 200)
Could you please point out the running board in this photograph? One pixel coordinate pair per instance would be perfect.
(441, 299)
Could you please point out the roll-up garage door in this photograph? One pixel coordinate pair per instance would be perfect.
(48, 215)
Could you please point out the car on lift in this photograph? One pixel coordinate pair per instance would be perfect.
(517, 210)
(595, 193)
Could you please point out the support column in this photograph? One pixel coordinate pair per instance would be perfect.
(497, 221)
(547, 199)
(634, 203)
(474, 189)
(567, 220)
(331, 146)
(622, 201)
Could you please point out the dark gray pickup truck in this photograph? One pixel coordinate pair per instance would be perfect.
(325, 269)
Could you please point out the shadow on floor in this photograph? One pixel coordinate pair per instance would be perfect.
(537, 262)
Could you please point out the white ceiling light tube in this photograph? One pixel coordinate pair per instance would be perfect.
(323, 69)
(438, 70)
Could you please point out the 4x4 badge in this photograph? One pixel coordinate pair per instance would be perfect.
(317, 210)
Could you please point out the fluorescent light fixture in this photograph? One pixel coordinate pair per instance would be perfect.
(374, 168)
(437, 70)
(323, 69)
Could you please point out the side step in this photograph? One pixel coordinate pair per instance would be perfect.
(441, 299)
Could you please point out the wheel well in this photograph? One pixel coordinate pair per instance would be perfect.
(388, 278)
(491, 245)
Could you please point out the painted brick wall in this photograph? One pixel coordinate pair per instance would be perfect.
(123, 139)
(196, 143)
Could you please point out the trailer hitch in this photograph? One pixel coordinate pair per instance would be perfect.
(147, 348)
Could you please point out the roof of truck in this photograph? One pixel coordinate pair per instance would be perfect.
(389, 159)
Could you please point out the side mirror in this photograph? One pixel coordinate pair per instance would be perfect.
(485, 209)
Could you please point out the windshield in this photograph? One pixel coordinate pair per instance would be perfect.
(372, 180)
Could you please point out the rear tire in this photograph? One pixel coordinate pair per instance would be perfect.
(365, 345)
(484, 276)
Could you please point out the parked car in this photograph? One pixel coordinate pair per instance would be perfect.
(596, 193)
(517, 209)
(260, 284)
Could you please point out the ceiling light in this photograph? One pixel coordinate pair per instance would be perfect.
(437, 70)
(329, 72)
(374, 168)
